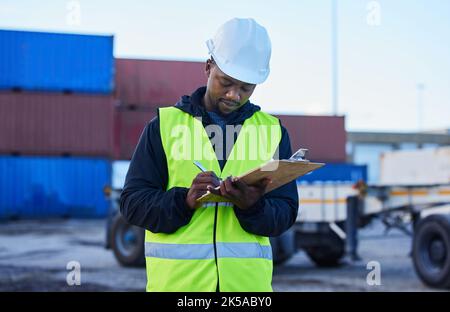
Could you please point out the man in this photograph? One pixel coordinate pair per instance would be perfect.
(214, 246)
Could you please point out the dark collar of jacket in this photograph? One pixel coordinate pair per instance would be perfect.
(193, 105)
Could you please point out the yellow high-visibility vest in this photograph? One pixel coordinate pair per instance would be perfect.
(213, 249)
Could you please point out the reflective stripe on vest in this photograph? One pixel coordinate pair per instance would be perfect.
(206, 251)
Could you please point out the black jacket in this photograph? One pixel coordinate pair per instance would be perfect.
(146, 203)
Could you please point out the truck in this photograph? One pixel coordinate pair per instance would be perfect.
(412, 195)
(415, 186)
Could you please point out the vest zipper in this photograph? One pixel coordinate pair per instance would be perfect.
(215, 247)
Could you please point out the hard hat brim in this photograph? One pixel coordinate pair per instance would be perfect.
(237, 72)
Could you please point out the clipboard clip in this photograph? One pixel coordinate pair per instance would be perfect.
(299, 155)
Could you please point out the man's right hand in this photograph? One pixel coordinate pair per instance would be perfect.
(199, 187)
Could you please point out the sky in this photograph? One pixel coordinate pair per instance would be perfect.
(385, 49)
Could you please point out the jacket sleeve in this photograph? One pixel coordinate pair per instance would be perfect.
(277, 210)
(144, 201)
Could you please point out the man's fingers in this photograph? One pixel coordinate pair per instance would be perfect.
(227, 184)
(223, 191)
(200, 191)
(213, 190)
(232, 190)
(238, 183)
(202, 186)
(206, 173)
(214, 175)
(207, 177)
(208, 180)
(262, 184)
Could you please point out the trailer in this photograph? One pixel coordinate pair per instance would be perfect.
(427, 208)
(413, 196)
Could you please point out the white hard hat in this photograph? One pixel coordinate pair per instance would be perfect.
(241, 48)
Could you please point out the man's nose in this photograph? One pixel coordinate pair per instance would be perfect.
(234, 95)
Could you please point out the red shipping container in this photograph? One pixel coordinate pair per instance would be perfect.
(56, 124)
(152, 83)
(324, 136)
(129, 125)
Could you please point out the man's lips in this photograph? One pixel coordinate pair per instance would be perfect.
(231, 104)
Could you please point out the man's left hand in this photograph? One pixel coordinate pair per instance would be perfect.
(242, 195)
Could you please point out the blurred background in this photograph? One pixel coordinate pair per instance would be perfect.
(364, 85)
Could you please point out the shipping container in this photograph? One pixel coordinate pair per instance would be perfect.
(324, 136)
(129, 125)
(323, 202)
(417, 167)
(56, 124)
(119, 173)
(337, 173)
(46, 187)
(56, 62)
(154, 83)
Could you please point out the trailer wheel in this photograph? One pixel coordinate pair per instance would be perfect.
(327, 255)
(127, 242)
(431, 250)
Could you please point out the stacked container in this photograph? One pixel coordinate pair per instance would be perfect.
(56, 62)
(324, 136)
(153, 83)
(144, 85)
(36, 187)
(129, 125)
(56, 124)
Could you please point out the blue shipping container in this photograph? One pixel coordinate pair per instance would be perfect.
(56, 62)
(337, 173)
(43, 187)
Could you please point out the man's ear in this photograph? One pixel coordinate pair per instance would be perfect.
(208, 67)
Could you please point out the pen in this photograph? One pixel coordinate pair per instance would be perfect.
(199, 166)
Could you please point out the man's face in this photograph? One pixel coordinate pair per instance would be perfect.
(225, 94)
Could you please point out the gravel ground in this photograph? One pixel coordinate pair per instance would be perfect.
(34, 257)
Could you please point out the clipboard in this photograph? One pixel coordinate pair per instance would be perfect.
(279, 171)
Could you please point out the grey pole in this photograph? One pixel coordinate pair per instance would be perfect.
(334, 56)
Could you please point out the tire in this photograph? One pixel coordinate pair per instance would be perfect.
(127, 243)
(431, 251)
(328, 255)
